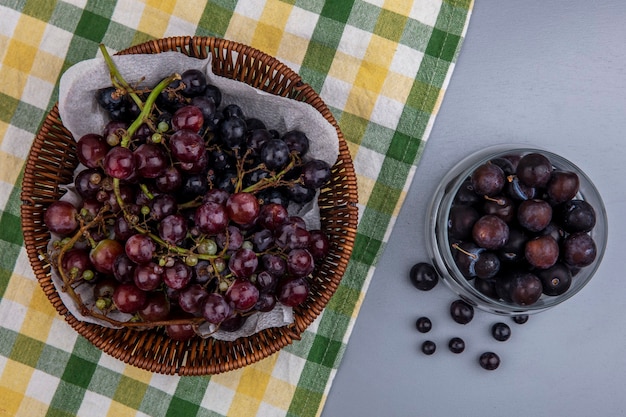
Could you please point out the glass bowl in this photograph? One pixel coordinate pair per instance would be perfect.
(440, 245)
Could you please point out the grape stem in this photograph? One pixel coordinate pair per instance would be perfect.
(117, 79)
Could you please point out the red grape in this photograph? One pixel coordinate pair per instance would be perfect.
(61, 218)
(129, 299)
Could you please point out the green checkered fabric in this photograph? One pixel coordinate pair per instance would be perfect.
(382, 67)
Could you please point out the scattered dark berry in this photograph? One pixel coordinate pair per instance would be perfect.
(501, 331)
(429, 347)
(456, 345)
(424, 276)
(423, 325)
(489, 361)
(461, 311)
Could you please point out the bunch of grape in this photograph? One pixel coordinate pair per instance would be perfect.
(184, 214)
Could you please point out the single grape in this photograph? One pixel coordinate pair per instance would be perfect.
(319, 245)
(293, 292)
(148, 276)
(103, 255)
(534, 215)
(563, 186)
(61, 218)
(542, 251)
(461, 312)
(490, 232)
(501, 331)
(428, 347)
(423, 325)
(456, 345)
(489, 361)
(555, 280)
(190, 298)
(157, 308)
(315, 173)
(173, 229)
(177, 276)
(297, 142)
(211, 217)
(576, 216)
(488, 179)
(186, 146)
(461, 220)
(579, 250)
(194, 82)
(233, 132)
(242, 208)
(88, 182)
(423, 276)
(525, 288)
(75, 263)
(188, 118)
(275, 154)
(150, 160)
(243, 294)
(140, 248)
(119, 163)
(534, 170)
(129, 299)
(300, 262)
(243, 263)
(216, 309)
(91, 150)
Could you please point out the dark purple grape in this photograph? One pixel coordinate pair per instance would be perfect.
(319, 245)
(300, 262)
(519, 191)
(242, 208)
(214, 94)
(520, 318)
(148, 276)
(262, 240)
(525, 288)
(315, 173)
(534, 215)
(180, 332)
(266, 302)
(233, 132)
(76, 263)
(211, 217)
(274, 264)
(186, 146)
(466, 195)
(456, 345)
(162, 206)
(103, 255)
(242, 294)
(170, 180)
(231, 238)
(488, 179)
(563, 186)
(555, 280)
(150, 160)
(272, 215)
(266, 282)
(501, 331)
(300, 194)
(157, 308)
(140, 248)
(257, 138)
(487, 265)
(190, 298)
(461, 312)
(289, 236)
(297, 142)
(243, 263)
(194, 82)
(428, 347)
(88, 182)
(423, 276)
(576, 216)
(513, 249)
(490, 232)
(579, 250)
(489, 361)
(91, 150)
(461, 220)
(542, 251)
(123, 268)
(129, 299)
(233, 323)
(275, 154)
(534, 170)
(177, 276)
(465, 255)
(293, 292)
(173, 229)
(423, 325)
(216, 309)
(119, 163)
(500, 206)
(61, 218)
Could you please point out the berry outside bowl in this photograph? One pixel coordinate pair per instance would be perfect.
(442, 248)
(51, 163)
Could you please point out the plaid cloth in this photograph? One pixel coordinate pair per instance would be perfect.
(382, 66)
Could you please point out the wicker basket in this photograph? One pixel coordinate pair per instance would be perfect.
(52, 161)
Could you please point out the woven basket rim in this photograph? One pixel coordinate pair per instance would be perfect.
(149, 349)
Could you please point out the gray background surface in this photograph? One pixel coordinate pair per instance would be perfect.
(549, 74)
